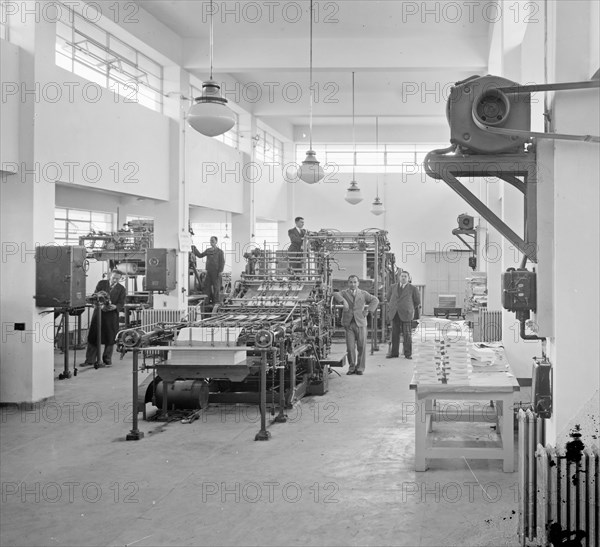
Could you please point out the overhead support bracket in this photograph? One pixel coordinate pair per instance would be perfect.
(507, 167)
(459, 232)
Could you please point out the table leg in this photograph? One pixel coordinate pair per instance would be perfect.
(420, 437)
(429, 407)
(507, 435)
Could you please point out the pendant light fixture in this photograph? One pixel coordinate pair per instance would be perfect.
(377, 206)
(311, 171)
(210, 114)
(353, 194)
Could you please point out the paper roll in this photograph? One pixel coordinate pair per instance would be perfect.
(128, 268)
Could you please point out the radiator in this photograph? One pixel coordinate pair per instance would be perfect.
(488, 327)
(559, 500)
(150, 318)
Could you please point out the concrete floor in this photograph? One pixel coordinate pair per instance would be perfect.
(339, 472)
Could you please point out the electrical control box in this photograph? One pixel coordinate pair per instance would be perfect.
(160, 269)
(519, 290)
(60, 276)
(541, 388)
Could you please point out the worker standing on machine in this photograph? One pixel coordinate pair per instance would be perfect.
(111, 303)
(215, 264)
(354, 320)
(296, 235)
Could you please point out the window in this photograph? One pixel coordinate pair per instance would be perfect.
(84, 48)
(391, 158)
(231, 137)
(266, 232)
(70, 224)
(269, 149)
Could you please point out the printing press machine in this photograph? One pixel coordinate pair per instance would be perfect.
(268, 344)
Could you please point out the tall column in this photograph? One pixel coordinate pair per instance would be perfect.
(172, 217)
(243, 225)
(27, 202)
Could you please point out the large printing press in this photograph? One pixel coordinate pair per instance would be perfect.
(268, 343)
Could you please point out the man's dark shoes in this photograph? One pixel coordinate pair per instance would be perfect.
(390, 356)
(351, 372)
(359, 373)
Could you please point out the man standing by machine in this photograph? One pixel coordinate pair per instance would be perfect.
(109, 299)
(354, 320)
(215, 263)
(296, 235)
(404, 302)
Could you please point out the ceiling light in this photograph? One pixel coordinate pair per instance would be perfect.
(311, 171)
(377, 207)
(210, 114)
(353, 194)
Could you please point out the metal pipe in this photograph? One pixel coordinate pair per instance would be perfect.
(135, 434)
(263, 434)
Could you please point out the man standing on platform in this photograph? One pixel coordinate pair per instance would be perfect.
(215, 264)
(354, 320)
(296, 236)
(404, 302)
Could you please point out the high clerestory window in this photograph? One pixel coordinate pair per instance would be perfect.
(86, 49)
(269, 149)
(390, 158)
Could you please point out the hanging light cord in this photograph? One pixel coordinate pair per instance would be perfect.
(211, 39)
(377, 150)
(310, 89)
(353, 134)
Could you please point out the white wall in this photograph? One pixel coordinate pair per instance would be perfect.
(214, 173)
(568, 225)
(114, 146)
(420, 213)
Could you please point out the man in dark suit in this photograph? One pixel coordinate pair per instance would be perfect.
(296, 235)
(215, 263)
(109, 320)
(404, 302)
(354, 320)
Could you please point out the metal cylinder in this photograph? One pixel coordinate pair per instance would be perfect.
(184, 394)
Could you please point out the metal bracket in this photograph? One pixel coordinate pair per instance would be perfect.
(508, 167)
(459, 232)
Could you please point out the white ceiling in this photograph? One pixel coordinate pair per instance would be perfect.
(405, 55)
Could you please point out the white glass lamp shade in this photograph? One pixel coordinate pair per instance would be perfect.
(377, 207)
(210, 114)
(353, 194)
(310, 171)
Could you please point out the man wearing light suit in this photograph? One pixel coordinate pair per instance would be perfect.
(296, 236)
(403, 307)
(354, 320)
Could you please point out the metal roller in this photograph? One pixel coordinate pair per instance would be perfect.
(184, 394)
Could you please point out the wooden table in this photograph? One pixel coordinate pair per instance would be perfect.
(481, 386)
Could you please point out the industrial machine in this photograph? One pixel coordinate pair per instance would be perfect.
(126, 250)
(268, 344)
(367, 254)
(60, 284)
